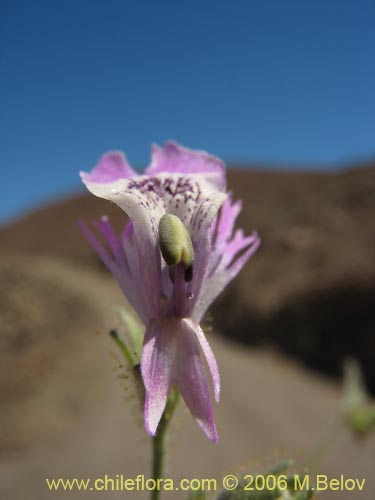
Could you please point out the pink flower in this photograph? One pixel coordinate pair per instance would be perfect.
(171, 299)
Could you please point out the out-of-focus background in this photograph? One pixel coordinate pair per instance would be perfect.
(284, 93)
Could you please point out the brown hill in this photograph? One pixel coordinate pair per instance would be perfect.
(309, 290)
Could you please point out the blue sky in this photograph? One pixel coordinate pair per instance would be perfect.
(253, 81)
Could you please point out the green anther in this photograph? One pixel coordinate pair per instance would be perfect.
(175, 243)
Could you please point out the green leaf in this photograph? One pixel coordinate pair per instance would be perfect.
(135, 330)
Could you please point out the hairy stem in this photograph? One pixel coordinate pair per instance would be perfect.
(158, 442)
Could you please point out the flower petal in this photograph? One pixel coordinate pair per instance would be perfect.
(223, 229)
(107, 259)
(158, 358)
(173, 158)
(226, 258)
(200, 231)
(111, 166)
(191, 380)
(144, 209)
(209, 355)
(146, 200)
(122, 261)
(113, 241)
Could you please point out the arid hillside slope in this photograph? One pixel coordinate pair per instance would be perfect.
(310, 288)
(68, 405)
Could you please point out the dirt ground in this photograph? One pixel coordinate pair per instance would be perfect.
(68, 409)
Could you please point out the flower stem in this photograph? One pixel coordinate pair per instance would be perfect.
(123, 348)
(158, 442)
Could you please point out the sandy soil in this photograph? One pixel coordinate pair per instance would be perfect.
(68, 409)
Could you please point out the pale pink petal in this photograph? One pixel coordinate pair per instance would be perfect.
(200, 231)
(191, 185)
(191, 380)
(229, 211)
(114, 242)
(191, 193)
(105, 256)
(238, 262)
(173, 158)
(158, 357)
(127, 231)
(117, 261)
(236, 245)
(209, 355)
(144, 212)
(111, 166)
(226, 257)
